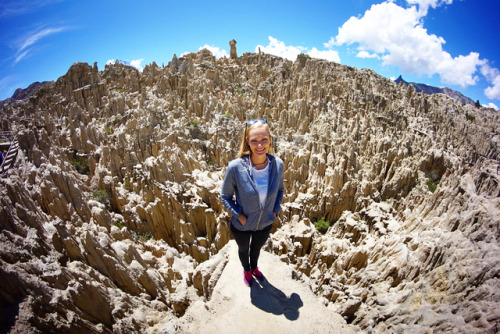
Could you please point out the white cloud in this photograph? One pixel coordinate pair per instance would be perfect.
(134, 63)
(33, 38)
(425, 4)
(366, 54)
(218, 53)
(398, 37)
(137, 64)
(493, 76)
(492, 105)
(494, 91)
(21, 56)
(331, 43)
(459, 70)
(329, 55)
(25, 45)
(381, 27)
(11, 8)
(278, 48)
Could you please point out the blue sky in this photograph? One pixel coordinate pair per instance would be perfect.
(453, 43)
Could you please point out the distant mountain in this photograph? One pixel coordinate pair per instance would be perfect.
(419, 87)
(111, 218)
(21, 94)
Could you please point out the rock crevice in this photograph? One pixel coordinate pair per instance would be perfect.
(111, 215)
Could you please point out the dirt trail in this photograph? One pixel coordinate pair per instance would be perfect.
(279, 304)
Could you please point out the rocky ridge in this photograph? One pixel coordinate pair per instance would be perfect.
(21, 94)
(112, 220)
(419, 87)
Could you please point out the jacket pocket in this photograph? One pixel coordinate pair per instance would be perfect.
(252, 220)
(266, 219)
(270, 216)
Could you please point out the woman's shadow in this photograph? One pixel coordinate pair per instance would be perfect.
(270, 299)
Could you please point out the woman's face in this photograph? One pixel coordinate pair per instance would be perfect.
(259, 141)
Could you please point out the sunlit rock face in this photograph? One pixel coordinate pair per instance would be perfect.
(111, 219)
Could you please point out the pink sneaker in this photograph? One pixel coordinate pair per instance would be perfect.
(256, 272)
(247, 278)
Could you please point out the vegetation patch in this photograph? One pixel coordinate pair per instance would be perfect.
(127, 184)
(101, 196)
(141, 236)
(322, 225)
(432, 184)
(81, 165)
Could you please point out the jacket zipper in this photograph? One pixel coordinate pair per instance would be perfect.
(260, 216)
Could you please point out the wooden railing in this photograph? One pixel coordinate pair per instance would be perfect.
(11, 155)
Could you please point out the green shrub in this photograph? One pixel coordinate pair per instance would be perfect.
(322, 225)
(432, 184)
(141, 237)
(470, 117)
(81, 165)
(194, 123)
(228, 115)
(146, 236)
(127, 184)
(109, 130)
(101, 196)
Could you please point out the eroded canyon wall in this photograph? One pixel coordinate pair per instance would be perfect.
(113, 208)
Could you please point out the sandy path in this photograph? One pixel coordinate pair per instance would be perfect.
(279, 304)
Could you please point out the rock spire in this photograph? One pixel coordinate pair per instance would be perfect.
(111, 221)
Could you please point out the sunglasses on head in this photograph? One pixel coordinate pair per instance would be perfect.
(253, 121)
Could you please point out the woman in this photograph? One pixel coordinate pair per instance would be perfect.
(256, 178)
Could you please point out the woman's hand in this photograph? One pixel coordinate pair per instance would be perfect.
(242, 219)
(275, 214)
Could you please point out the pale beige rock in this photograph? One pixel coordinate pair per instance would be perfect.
(358, 150)
(279, 304)
(233, 54)
(207, 274)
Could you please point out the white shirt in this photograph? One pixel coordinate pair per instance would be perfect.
(261, 177)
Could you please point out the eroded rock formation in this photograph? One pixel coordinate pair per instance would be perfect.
(111, 219)
(233, 54)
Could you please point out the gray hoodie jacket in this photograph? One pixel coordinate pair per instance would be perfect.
(239, 181)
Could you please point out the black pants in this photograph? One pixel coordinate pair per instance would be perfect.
(249, 245)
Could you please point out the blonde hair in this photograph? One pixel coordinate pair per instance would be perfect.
(244, 147)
